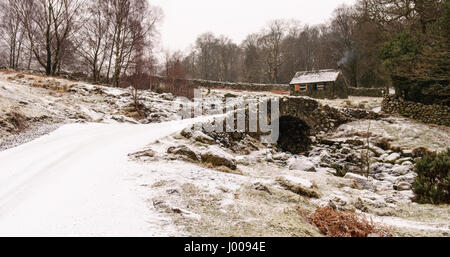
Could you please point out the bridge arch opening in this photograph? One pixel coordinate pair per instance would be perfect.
(294, 135)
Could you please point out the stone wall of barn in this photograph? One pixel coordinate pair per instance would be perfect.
(331, 91)
(433, 114)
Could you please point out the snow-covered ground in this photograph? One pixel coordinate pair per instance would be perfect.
(78, 160)
(75, 181)
(31, 105)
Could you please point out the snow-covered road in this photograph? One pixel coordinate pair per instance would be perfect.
(75, 182)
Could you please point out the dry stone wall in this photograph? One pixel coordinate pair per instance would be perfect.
(433, 114)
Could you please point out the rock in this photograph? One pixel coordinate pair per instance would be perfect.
(217, 157)
(409, 178)
(383, 157)
(281, 156)
(243, 160)
(203, 138)
(383, 185)
(407, 163)
(185, 213)
(302, 163)
(269, 157)
(167, 96)
(299, 181)
(388, 177)
(402, 186)
(172, 191)
(353, 169)
(385, 177)
(362, 181)
(380, 167)
(392, 157)
(407, 153)
(260, 187)
(146, 153)
(377, 150)
(230, 95)
(298, 185)
(187, 133)
(402, 160)
(184, 151)
(346, 150)
(339, 203)
(399, 170)
(325, 158)
(121, 118)
(327, 170)
(370, 200)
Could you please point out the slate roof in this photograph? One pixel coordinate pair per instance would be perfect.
(305, 77)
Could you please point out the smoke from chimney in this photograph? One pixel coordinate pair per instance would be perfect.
(348, 55)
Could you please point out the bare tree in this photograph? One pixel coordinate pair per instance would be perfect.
(94, 38)
(252, 67)
(133, 22)
(12, 33)
(270, 41)
(49, 26)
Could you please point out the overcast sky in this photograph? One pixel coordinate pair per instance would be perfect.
(184, 20)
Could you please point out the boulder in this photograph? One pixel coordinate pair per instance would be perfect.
(298, 185)
(407, 153)
(203, 138)
(377, 150)
(380, 167)
(339, 202)
(327, 170)
(281, 156)
(260, 187)
(145, 153)
(217, 157)
(399, 170)
(325, 158)
(370, 200)
(243, 160)
(383, 157)
(402, 186)
(362, 181)
(299, 181)
(346, 150)
(187, 133)
(230, 95)
(302, 163)
(392, 157)
(402, 160)
(184, 151)
(167, 96)
(409, 178)
(407, 163)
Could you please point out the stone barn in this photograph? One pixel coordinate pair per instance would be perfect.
(319, 84)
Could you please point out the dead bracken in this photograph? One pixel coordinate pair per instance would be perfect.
(334, 223)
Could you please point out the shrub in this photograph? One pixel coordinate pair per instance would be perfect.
(432, 184)
(334, 223)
